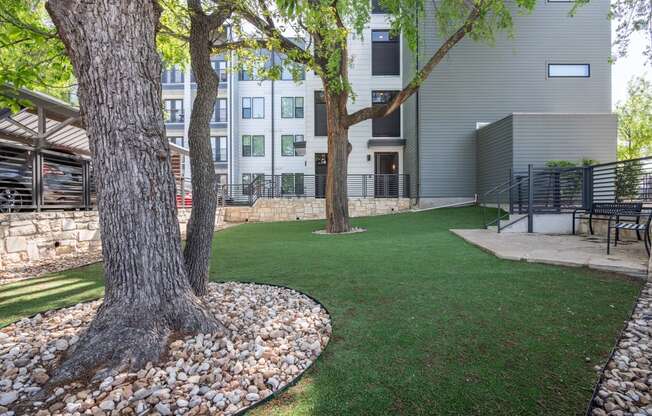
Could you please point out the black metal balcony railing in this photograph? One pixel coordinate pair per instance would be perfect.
(314, 186)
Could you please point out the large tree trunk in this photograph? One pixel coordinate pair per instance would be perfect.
(111, 44)
(337, 202)
(201, 225)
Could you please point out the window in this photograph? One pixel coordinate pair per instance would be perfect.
(385, 54)
(218, 145)
(569, 70)
(377, 8)
(220, 112)
(220, 69)
(388, 126)
(172, 75)
(253, 146)
(178, 140)
(253, 107)
(288, 147)
(247, 179)
(246, 107)
(173, 111)
(258, 107)
(292, 183)
(222, 179)
(321, 125)
(291, 107)
(246, 75)
(289, 68)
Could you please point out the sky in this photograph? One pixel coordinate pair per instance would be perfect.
(627, 67)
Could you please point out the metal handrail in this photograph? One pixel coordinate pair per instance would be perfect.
(499, 190)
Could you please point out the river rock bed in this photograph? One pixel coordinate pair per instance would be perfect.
(273, 334)
(626, 387)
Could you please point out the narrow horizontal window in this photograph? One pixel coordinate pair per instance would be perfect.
(569, 70)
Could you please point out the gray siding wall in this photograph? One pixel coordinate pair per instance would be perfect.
(481, 83)
(409, 122)
(495, 154)
(539, 138)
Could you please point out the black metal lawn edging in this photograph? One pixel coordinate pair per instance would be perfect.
(596, 388)
(274, 394)
(295, 380)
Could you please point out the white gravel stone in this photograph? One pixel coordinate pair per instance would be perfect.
(627, 379)
(273, 335)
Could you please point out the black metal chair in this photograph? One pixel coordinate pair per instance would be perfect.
(637, 226)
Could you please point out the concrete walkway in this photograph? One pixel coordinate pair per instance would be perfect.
(628, 258)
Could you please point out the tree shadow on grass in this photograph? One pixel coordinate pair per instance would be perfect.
(29, 297)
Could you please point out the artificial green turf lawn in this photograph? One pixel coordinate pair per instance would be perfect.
(423, 323)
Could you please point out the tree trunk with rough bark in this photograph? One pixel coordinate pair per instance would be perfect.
(337, 201)
(111, 44)
(199, 236)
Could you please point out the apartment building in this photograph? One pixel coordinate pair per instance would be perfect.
(485, 111)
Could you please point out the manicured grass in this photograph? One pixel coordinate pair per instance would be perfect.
(56, 290)
(423, 322)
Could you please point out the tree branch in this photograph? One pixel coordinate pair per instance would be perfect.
(421, 75)
(269, 29)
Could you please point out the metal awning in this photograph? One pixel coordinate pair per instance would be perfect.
(385, 142)
(48, 123)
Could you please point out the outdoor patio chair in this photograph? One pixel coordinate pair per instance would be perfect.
(640, 227)
(604, 211)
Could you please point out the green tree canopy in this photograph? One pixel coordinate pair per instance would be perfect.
(631, 17)
(31, 53)
(635, 121)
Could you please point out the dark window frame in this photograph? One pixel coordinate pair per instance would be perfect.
(297, 111)
(388, 126)
(216, 148)
(296, 138)
(249, 150)
(385, 54)
(377, 8)
(175, 114)
(171, 73)
(319, 108)
(249, 108)
(587, 65)
(295, 188)
(216, 117)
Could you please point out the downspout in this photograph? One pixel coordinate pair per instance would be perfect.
(417, 120)
(273, 137)
(231, 86)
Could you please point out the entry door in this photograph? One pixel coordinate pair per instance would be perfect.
(321, 170)
(386, 179)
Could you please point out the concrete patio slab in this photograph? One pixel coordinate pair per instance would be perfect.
(628, 258)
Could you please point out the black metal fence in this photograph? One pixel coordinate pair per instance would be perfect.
(554, 190)
(545, 190)
(41, 179)
(298, 185)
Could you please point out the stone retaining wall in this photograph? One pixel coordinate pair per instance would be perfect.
(291, 209)
(31, 238)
